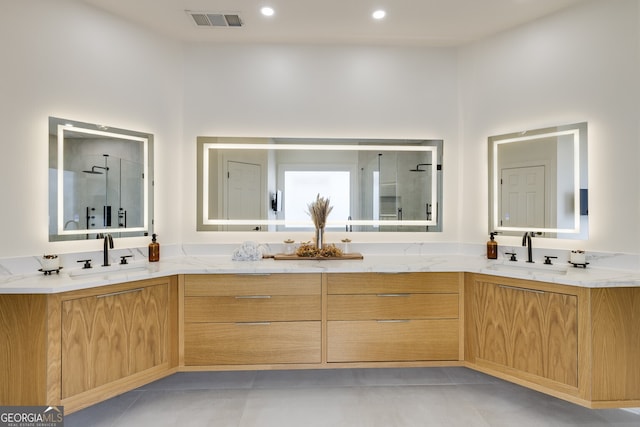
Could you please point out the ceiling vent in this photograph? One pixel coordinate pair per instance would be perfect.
(218, 20)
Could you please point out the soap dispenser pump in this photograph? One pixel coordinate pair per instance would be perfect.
(154, 249)
(492, 246)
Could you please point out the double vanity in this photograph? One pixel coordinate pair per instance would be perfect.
(80, 336)
(77, 338)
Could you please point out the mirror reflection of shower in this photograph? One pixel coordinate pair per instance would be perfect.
(417, 168)
(94, 171)
(106, 207)
(104, 185)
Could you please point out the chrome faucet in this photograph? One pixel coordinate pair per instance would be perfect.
(526, 241)
(108, 244)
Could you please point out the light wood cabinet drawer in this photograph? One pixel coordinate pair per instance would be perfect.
(380, 283)
(392, 306)
(252, 308)
(251, 343)
(248, 284)
(376, 341)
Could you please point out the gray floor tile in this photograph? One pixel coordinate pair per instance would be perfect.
(311, 407)
(406, 406)
(104, 414)
(459, 375)
(197, 408)
(305, 378)
(510, 405)
(411, 397)
(204, 381)
(400, 376)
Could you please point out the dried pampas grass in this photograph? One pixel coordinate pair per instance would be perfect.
(319, 211)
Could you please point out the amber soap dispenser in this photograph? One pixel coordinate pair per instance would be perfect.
(492, 246)
(154, 249)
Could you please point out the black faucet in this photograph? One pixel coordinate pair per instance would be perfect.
(108, 244)
(526, 241)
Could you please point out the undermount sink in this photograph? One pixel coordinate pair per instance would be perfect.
(533, 268)
(107, 272)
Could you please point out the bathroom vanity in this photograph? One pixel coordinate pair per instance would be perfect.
(78, 348)
(76, 344)
(578, 344)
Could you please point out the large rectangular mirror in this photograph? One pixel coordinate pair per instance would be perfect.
(538, 182)
(100, 181)
(265, 184)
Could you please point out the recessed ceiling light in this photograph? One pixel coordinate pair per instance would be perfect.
(379, 14)
(267, 11)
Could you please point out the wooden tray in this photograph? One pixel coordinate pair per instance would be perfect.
(283, 257)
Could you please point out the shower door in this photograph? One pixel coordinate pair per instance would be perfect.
(107, 190)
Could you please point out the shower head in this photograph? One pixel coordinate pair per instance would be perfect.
(93, 170)
(417, 169)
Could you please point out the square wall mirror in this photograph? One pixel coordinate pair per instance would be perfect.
(100, 181)
(538, 182)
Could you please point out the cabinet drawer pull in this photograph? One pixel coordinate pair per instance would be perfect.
(393, 295)
(253, 323)
(515, 288)
(112, 294)
(394, 321)
(252, 274)
(253, 296)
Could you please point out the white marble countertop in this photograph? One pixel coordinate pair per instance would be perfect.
(69, 279)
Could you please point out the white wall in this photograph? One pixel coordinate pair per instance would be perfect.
(582, 64)
(65, 59)
(321, 91)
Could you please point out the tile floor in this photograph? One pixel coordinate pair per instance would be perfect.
(346, 397)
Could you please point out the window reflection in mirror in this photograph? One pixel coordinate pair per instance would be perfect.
(99, 181)
(265, 184)
(538, 182)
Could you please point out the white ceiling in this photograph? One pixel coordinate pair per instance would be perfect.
(408, 22)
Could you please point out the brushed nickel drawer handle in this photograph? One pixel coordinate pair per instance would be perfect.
(394, 321)
(253, 323)
(252, 274)
(393, 295)
(112, 294)
(515, 288)
(253, 296)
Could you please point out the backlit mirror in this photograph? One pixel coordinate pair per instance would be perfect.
(538, 182)
(100, 181)
(265, 184)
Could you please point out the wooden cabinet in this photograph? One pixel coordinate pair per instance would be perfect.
(532, 331)
(252, 319)
(374, 317)
(615, 335)
(108, 340)
(578, 344)
(110, 336)
(23, 337)
(81, 347)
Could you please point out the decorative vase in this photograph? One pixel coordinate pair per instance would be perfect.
(319, 238)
